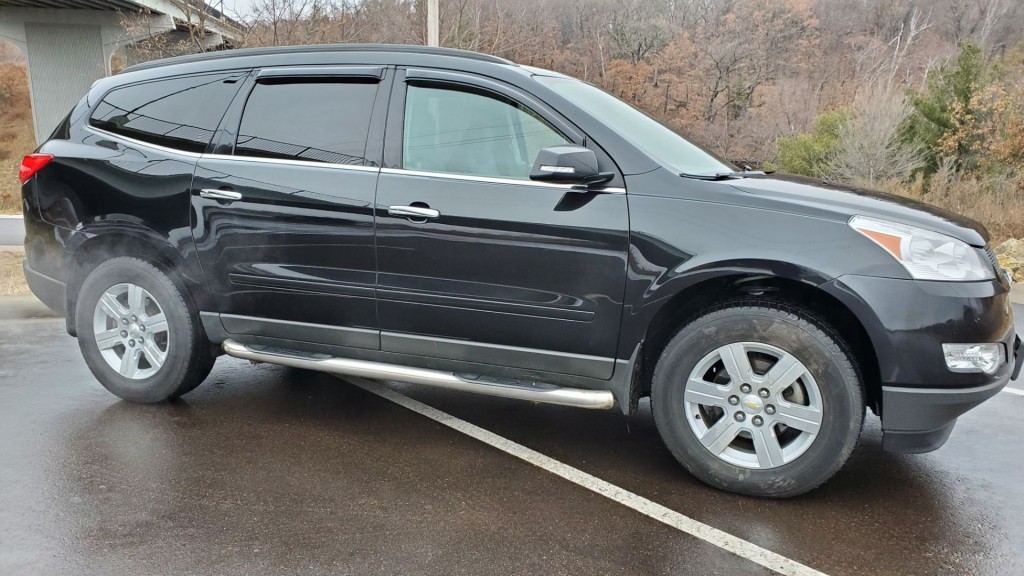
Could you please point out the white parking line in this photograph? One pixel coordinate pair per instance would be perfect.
(18, 216)
(742, 548)
(1016, 391)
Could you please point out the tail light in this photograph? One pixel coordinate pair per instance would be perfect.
(31, 164)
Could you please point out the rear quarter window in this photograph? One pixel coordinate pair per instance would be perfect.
(180, 113)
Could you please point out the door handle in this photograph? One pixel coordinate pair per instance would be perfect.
(215, 194)
(413, 212)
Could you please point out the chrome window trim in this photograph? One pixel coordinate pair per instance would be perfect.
(489, 180)
(396, 171)
(101, 132)
(297, 73)
(288, 162)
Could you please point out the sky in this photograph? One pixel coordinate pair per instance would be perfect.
(240, 8)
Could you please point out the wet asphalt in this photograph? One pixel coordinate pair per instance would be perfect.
(265, 469)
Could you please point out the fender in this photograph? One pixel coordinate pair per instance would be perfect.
(687, 232)
(126, 235)
(645, 300)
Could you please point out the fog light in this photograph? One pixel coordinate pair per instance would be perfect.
(973, 357)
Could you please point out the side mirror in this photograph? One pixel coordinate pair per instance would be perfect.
(568, 164)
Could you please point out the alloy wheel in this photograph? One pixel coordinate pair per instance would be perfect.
(753, 405)
(131, 331)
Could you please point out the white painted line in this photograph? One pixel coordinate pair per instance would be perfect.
(12, 216)
(1016, 391)
(742, 548)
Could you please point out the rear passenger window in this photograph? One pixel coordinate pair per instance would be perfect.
(180, 113)
(314, 120)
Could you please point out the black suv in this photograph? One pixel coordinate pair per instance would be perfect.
(453, 219)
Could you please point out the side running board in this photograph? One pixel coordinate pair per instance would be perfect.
(519, 390)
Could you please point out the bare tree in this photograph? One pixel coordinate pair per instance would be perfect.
(639, 27)
(871, 147)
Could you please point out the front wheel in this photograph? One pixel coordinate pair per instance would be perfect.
(138, 335)
(759, 398)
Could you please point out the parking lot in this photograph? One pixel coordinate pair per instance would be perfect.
(271, 470)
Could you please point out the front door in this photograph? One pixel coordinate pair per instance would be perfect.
(283, 211)
(477, 262)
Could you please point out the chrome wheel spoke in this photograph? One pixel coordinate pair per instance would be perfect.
(705, 393)
(154, 355)
(111, 307)
(783, 374)
(805, 418)
(767, 447)
(718, 437)
(156, 324)
(737, 363)
(136, 299)
(130, 362)
(108, 339)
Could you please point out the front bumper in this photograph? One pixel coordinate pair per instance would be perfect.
(907, 322)
(920, 420)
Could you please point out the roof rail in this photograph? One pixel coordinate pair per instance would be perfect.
(268, 51)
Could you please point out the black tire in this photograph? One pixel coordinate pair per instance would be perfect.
(202, 371)
(828, 362)
(188, 355)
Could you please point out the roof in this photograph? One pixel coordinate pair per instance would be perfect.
(318, 48)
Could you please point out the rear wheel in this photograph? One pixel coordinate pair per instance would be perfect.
(137, 333)
(758, 398)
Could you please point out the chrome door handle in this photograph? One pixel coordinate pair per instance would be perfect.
(413, 212)
(215, 194)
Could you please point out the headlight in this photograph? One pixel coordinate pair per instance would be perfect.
(925, 254)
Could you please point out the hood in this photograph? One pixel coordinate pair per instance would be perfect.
(825, 200)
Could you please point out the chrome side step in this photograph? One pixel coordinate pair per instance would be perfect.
(530, 391)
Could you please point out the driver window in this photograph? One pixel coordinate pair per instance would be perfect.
(472, 133)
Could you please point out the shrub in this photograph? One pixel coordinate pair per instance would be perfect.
(949, 88)
(809, 154)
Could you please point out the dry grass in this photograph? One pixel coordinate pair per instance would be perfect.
(996, 202)
(16, 132)
(12, 277)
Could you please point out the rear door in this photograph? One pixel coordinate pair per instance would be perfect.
(283, 208)
(501, 270)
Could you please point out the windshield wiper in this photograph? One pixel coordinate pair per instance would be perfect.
(724, 175)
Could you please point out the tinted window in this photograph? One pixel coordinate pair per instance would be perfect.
(319, 121)
(179, 113)
(472, 133)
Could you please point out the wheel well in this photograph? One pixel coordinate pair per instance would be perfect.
(98, 250)
(684, 307)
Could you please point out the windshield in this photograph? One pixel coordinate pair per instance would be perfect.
(657, 141)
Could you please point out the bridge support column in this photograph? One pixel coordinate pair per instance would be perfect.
(67, 51)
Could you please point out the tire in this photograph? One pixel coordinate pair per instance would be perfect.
(143, 341)
(794, 427)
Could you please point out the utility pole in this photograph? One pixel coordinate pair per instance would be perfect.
(433, 29)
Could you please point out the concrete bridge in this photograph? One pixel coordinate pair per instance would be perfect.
(70, 43)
